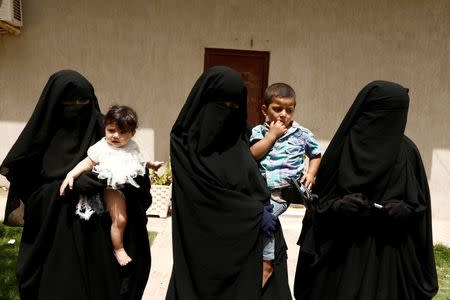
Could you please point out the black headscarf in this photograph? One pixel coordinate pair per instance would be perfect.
(367, 143)
(55, 138)
(218, 194)
(372, 253)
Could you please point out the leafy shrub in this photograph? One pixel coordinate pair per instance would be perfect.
(164, 178)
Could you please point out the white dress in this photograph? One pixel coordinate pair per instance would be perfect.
(117, 165)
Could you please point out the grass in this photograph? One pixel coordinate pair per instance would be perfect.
(151, 237)
(442, 256)
(8, 258)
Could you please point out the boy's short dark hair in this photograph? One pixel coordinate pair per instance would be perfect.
(279, 89)
(124, 117)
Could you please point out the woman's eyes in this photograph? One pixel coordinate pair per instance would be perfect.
(229, 104)
(76, 101)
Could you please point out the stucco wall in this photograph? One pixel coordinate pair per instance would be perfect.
(148, 54)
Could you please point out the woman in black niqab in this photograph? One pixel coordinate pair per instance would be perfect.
(349, 249)
(218, 198)
(62, 256)
(54, 139)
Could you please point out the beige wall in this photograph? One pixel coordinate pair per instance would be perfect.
(148, 54)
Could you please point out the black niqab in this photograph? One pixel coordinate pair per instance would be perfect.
(218, 196)
(369, 254)
(55, 138)
(366, 144)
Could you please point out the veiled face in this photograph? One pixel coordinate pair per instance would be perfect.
(72, 122)
(228, 103)
(222, 116)
(76, 101)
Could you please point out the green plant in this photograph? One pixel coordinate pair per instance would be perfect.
(442, 256)
(8, 259)
(164, 178)
(151, 236)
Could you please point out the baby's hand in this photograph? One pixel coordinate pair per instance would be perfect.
(277, 128)
(308, 180)
(155, 165)
(68, 181)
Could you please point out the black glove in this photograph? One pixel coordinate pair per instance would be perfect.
(88, 184)
(269, 221)
(351, 205)
(398, 210)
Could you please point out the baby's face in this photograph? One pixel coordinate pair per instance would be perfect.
(280, 109)
(115, 137)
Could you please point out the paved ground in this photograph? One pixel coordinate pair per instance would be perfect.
(291, 222)
(162, 251)
(162, 246)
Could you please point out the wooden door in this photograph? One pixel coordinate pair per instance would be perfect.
(254, 69)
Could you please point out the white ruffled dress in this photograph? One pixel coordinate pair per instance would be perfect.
(117, 165)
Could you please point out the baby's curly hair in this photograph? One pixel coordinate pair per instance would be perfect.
(124, 117)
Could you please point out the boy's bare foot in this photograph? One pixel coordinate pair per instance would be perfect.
(122, 257)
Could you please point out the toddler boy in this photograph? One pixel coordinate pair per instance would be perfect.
(280, 145)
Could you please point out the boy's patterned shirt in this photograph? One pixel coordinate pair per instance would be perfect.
(286, 157)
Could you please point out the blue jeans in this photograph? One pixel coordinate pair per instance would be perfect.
(269, 242)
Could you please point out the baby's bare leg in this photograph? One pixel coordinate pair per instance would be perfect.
(115, 202)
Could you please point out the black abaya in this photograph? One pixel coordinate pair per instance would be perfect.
(348, 248)
(218, 197)
(62, 256)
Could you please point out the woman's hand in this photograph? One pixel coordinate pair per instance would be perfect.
(269, 221)
(352, 205)
(397, 210)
